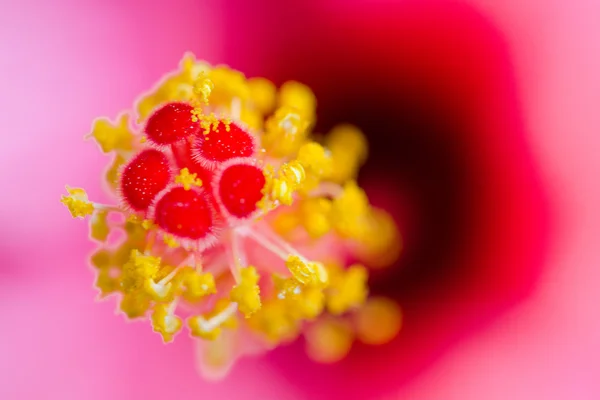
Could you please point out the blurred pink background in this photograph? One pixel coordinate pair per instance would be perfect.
(65, 63)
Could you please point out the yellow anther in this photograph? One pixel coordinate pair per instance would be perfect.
(348, 149)
(107, 281)
(188, 180)
(197, 285)
(328, 340)
(170, 241)
(247, 293)
(289, 177)
(378, 321)
(77, 202)
(197, 329)
(113, 136)
(122, 253)
(135, 304)
(381, 241)
(275, 322)
(165, 322)
(287, 287)
(135, 232)
(229, 85)
(293, 172)
(349, 139)
(350, 211)
(262, 93)
(286, 222)
(112, 173)
(347, 289)
(101, 259)
(295, 94)
(282, 191)
(302, 302)
(138, 270)
(285, 131)
(203, 87)
(307, 273)
(315, 158)
(99, 228)
(316, 216)
(311, 303)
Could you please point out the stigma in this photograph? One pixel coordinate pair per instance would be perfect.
(232, 222)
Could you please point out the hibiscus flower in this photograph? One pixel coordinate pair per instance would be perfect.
(495, 88)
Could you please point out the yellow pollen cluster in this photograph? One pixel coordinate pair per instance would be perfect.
(197, 285)
(307, 273)
(77, 202)
(277, 275)
(247, 293)
(203, 87)
(188, 180)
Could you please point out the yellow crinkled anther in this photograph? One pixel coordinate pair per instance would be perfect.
(197, 328)
(165, 322)
(381, 241)
(350, 211)
(111, 175)
(247, 293)
(203, 87)
(295, 94)
(328, 340)
(113, 136)
(315, 158)
(108, 274)
(285, 131)
(229, 84)
(138, 270)
(306, 272)
(282, 187)
(262, 93)
(107, 281)
(347, 289)
(378, 321)
(99, 228)
(197, 285)
(348, 148)
(273, 320)
(77, 202)
(316, 216)
(135, 304)
(102, 258)
(188, 180)
(302, 302)
(308, 304)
